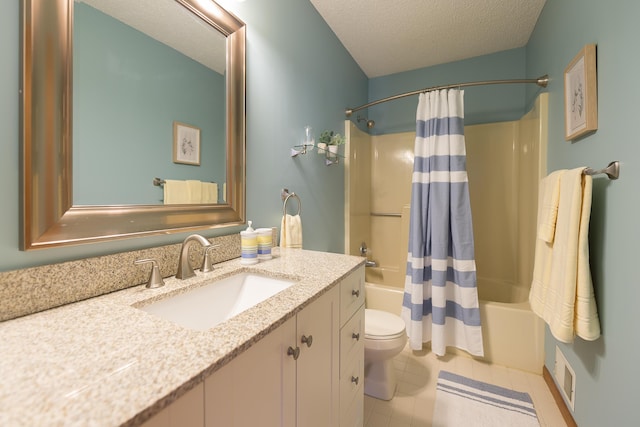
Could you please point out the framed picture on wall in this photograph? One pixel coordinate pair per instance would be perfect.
(580, 94)
(186, 144)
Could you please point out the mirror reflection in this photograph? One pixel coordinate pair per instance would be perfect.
(148, 101)
(120, 112)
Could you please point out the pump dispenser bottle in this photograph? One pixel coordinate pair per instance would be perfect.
(249, 245)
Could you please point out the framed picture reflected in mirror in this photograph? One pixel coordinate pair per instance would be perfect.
(186, 144)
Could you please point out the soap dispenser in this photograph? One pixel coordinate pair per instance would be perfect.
(249, 245)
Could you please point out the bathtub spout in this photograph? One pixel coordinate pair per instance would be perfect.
(370, 263)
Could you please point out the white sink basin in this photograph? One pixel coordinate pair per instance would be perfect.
(204, 307)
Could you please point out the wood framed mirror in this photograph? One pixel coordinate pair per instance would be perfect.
(50, 217)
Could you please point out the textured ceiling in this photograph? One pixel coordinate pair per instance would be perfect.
(171, 24)
(391, 36)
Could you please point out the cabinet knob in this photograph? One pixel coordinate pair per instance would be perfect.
(294, 352)
(355, 293)
(355, 380)
(355, 336)
(308, 340)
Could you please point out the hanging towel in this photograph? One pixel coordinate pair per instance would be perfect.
(291, 231)
(176, 192)
(562, 290)
(209, 192)
(195, 191)
(548, 202)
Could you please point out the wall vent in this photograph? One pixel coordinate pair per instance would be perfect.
(565, 378)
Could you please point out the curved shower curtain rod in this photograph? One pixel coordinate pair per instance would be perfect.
(540, 81)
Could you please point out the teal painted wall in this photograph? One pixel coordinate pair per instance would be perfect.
(110, 59)
(298, 74)
(607, 370)
(482, 104)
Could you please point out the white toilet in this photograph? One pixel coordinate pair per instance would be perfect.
(385, 337)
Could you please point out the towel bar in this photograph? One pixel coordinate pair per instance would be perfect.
(612, 170)
(394, 215)
(158, 182)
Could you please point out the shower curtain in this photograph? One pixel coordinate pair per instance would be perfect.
(440, 301)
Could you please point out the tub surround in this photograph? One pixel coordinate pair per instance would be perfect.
(35, 289)
(102, 361)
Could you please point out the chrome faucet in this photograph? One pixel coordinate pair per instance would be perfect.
(363, 252)
(184, 266)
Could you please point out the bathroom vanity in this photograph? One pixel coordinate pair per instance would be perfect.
(295, 358)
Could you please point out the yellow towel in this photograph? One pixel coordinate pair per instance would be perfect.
(291, 231)
(190, 192)
(586, 320)
(176, 192)
(195, 191)
(562, 290)
(209, 192)
(548, 204)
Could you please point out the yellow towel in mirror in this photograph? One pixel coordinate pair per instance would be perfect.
(176, 192)
(209, 192)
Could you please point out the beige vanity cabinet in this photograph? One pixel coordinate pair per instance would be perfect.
(187, 411)
(257, 387)
(288, 378)
(352, 350)
(307, 372)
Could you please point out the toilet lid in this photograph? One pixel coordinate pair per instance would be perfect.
(382, 325)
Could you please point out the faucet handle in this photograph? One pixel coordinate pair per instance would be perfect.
(363, 249)
(155, 278)
(207, 261)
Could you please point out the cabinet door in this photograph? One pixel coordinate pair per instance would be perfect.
(351, 294)
(257, 388)
(187, 411)
(317, 370)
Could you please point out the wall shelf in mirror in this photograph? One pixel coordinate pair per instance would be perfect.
(51, 216)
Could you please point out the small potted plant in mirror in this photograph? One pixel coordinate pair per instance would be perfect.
(329, 141)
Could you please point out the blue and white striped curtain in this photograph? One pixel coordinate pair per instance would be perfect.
(440, 299)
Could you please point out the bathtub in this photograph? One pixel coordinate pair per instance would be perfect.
(513, 336)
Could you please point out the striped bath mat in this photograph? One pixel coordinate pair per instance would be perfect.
(461, 401)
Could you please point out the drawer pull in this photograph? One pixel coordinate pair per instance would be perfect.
(355, 293)
(355, 380)
(355, 336)
(307, 340)
(294, 352)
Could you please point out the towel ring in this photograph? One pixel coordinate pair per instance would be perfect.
(284, 207)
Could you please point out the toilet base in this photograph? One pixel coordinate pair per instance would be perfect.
(380, 379)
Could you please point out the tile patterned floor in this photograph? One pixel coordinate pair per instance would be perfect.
(417, 373)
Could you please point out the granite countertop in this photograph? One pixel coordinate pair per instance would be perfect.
(103, 362)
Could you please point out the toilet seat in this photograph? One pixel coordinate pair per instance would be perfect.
(381, 325)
